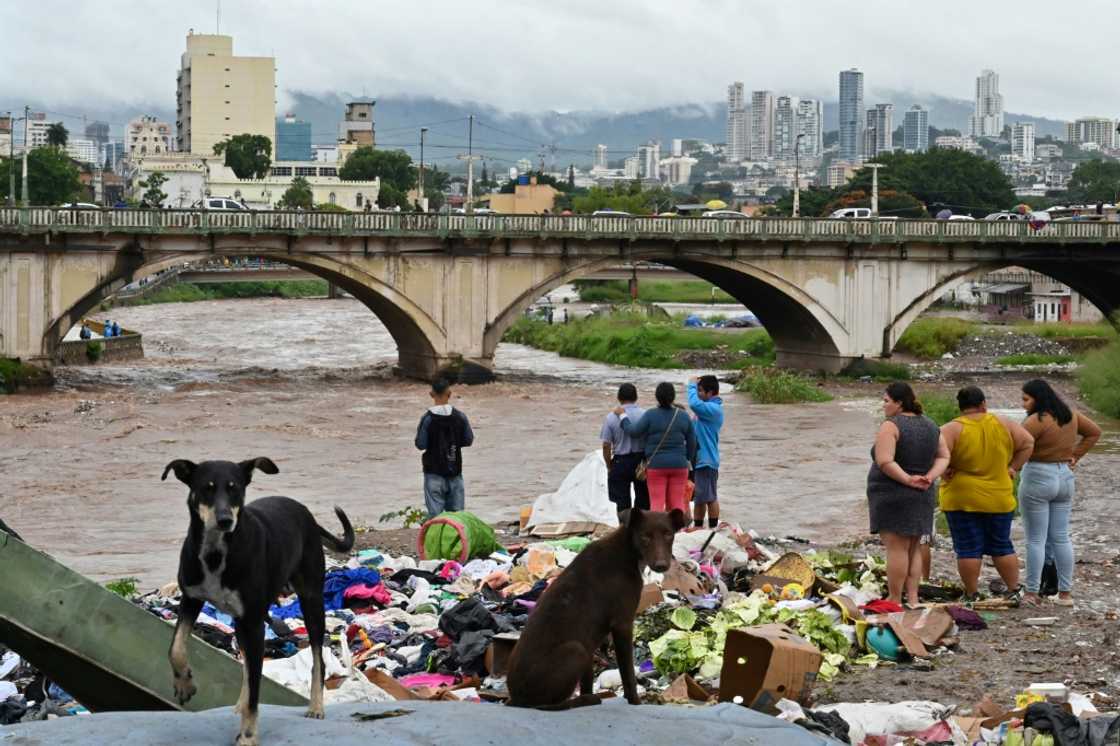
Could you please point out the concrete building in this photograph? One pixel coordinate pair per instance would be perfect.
(1047, 151)
(649, 156)
(5, 136)
(915, 130)
(37, 126)
(221, 95)
(839, 173)
(324, 153)
(527, 199)
(631, 168)
(146, 135)
(678, 147)
(810, 122)
(678, 169)
(356, 127)
(762, 125)
(1099, 130)
(879, 133)
(785, 127)
(293, 139)
(852, 122)
(82, 150)
(98, 132)
(112, 156)
(601, 157)
(738, 142)
(987, 115)
(1022, 141)
(951, 142)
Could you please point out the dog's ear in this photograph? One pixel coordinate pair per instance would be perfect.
(184, 470)
(678, 519)
(262, 463)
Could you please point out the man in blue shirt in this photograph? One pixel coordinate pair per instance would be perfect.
(623, 453)
(704, 401)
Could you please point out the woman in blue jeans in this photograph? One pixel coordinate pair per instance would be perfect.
(1062, 436)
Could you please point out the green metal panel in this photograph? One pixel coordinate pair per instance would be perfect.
(104, 650)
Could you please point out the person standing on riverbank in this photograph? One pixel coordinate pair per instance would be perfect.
(623, 453)
(705, 403)
(985, 453)
(442, 435)
(1062, 437)
(670, 446)
(908, 456)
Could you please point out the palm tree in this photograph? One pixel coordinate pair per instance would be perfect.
(57, 135)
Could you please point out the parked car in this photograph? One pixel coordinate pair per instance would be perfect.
(1004, 216)
(724, 215)
(961, 217)
(475, 211)
(220, 203)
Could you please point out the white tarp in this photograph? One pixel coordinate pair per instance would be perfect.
(582, 497)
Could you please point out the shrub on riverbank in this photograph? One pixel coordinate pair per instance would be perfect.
(1035, 358)
(931, 338)
(1057, 330)
(880, 371)
(776, 386)
(633, 340)
(674, 291)
(187, 293)
(16, 375)
(1100, 380)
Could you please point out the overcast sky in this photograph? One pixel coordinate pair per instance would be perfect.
(1054, 59)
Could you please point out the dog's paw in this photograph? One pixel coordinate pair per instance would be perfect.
(184, 687)
(247, 739)
(314, 713)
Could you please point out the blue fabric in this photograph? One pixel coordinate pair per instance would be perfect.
(679, 447)
(979, 534)
(338, 581)
(1046, 501)
(709, 420)
(291, 611)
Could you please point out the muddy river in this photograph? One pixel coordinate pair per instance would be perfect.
(303, 382)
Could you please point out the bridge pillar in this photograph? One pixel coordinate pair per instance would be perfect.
(25, 309)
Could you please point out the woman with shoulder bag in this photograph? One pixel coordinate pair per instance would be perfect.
(670, 446)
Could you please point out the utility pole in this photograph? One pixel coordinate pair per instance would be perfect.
(26, 198)
(874, 187)
(420, 184)
(797, 175)
(470, 158)
(11, 161)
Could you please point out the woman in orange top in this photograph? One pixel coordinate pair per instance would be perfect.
(1061, 438)
(985, 453)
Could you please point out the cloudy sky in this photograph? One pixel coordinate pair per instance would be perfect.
(527, 55)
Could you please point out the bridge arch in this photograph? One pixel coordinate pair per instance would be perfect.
(420, 341)
(806, 334)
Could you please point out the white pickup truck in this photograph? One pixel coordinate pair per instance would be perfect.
(858, 213)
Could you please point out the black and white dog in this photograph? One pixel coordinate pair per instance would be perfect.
(240, 558)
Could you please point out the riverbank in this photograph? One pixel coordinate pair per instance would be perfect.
(651, 291)
(184, 292)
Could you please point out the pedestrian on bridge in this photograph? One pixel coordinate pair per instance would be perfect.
(442, 435)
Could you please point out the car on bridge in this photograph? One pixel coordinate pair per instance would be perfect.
(610, 214)
(81, 206)
(724, 215)
(220, 203)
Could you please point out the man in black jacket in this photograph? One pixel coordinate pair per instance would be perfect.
(442, 435)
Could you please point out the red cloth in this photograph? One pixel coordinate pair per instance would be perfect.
(666, 489)
(882, 606)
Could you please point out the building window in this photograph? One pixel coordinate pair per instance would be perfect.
(328, 172)
(143, 149)
(281, 170)
(305, 171)
(332, 199)
(358, 199)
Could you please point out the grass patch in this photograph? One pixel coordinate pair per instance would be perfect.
(1035, 358)
(125, 587)
(881, 371)
(187, 293)
(634, 340)
(665, 291)
(775, 386)
(15, 375)
(931, 338)
(1058, 330)
(940, 408)
(1100, 379)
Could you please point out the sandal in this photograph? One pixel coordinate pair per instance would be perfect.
(1059, 601)
(1015, 598)
(1031, 600)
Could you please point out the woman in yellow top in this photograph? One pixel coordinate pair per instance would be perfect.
(985, 453)
(1062, 436)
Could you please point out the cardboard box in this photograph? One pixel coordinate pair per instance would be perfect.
(764, 664)
(497, 655)
(651, 596)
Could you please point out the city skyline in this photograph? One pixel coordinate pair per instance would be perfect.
(336, 56)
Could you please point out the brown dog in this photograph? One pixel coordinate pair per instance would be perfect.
(597, 595)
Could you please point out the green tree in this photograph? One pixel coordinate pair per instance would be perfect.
(249, 156)
(57, 135)
(629, 198)
(153, 194)
(814, 201)
(389, 197)
(298, 194)
(436, 183)
(52, 178)
(939, 178)
(1094, 181)
(393, 167)
(329, 207)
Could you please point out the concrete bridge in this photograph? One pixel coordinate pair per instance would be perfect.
(448, 286)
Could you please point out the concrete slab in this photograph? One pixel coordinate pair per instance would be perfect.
(610, 724)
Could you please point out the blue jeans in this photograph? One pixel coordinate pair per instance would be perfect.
(443, 494)
(1046, 499)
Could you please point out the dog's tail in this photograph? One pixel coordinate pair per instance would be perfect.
(346, 543)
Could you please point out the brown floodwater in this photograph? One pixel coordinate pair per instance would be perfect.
(303, 382)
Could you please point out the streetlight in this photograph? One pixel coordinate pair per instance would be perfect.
(797, 175)
(874, 186)
(423, 131)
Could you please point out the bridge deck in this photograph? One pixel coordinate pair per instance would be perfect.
(202, 222)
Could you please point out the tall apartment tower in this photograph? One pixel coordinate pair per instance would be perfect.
(1100, 130)
(649, 156)
(810, 121)
(883, 115)
(601, 156)
(1022, 141)
(915, 130)
(987, 116)
(852, 122)
(785, 127)
(737, 140)
(762, 125)
(220, 95)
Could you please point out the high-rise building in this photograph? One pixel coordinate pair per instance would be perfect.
(915, 130)
(293, 139)
(5, 135)
(220, 95)
(82, 150)
(112, 156)
(98, 132)
(630, 167)
(852, 122)
(987, 116)
(1022, 141)
(37, 126)
(146, 135)
(870, 136)
(762, 125)
(649, 156)
(678, 147)
(737, 133)
(786, 127)
(1099, 130)
(881, 120)
(810, 121)
(601, 157)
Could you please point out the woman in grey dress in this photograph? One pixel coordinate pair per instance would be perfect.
(908, 456)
